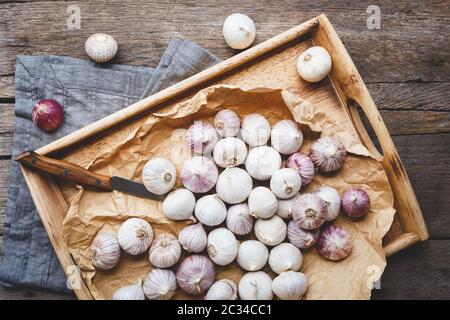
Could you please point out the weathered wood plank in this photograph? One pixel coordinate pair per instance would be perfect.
(32, 294)
(7, 87)
(4, 182)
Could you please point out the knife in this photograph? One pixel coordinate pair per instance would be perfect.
(77, 174)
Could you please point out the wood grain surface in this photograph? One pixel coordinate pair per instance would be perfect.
(405, 64)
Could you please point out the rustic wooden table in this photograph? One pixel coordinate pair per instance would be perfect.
(405, 64)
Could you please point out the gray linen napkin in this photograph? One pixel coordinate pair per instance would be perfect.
(88, 92)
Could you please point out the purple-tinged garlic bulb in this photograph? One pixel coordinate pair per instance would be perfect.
(239, 220)
(165, 251)
(328, 154)
(303, 165)
(301, 238)
(335, 243)
(193, 238)
(355, 202)
(196, 274)
(105, 251)
(201, 137)
(309, 211)
(333, 201)
(199, 174)
(227, 123)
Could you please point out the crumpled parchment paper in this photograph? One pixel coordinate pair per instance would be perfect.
(163, 135)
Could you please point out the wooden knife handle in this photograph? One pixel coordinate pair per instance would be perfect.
(64, 170)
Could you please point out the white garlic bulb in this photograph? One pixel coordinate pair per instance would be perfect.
(165, 251)
(328, 154)
(196, 274)
(199, 174)
(262, 162)
(160, 284)
(252, 255)
(255, 129)
(135, 236)
(262, 203)
(101, 47)
(290, 285)
(227, 123)
(179, 205)
(255, 286)
(285, 257)
(193, 238)
(285, 183)
(201, 137)
(286, 137)
(105, 251)
(314, 64)
(332, 200)
(222, 246)
(270, 231)
(230, 152)
(239, 220)
(239, 31)
(159, 175)
(223, 289)
(210, 210)
(285, 207)
(130, 292)
(234, 185)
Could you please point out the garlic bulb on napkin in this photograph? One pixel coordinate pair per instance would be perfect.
(239, 31)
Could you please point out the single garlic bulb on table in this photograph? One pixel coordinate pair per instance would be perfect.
(101, 47)
(229, 152)
(255, 286)
(285, 207)
(159, 175)
(193, 238)
(290, 285)
(105, 251)
(239, 31)
(262, 162)
(196, 274)
(160, 284)
(285, 183)
(130, 292)
(135, 236)
(252, 255)
(234, 185)
(222, 246)
(239, 220)
(314, 64)
(285, 257)
(255, 130)
(199, 174)
(223, 289)
(210, 210)
(179, 205)
(165, 251)
(270, 231)
(286, 137)
(262, 203)
(227, 123)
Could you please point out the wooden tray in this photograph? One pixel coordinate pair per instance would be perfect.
(269, 64)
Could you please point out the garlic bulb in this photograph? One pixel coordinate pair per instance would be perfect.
(286, 137)
(285, 257)
(229, 152)
(335, 243)
(262, 162)
(355, 202)
(201, 137)
(255, 286)
(130, 292)
(332, 200)
(239, 31)
(262, 203)
(159, 175)
(285, 207)
(234, 185)
(252, 255)
(239, 221)
(303, 165)
(210, 210)
(314, 64)
(255, 129)
(193, 238)
(160, 284)
(270, 231)
(165, 251)
(290, 285)
(196, 274)
(223, 289)
(105, 251)
(328, 154)
(309, 211)
(179, 205)
(222, 246)
(301, 238)
(199, 174)
(285, 183)
(101, 47)
(135, 236)
(227, 123)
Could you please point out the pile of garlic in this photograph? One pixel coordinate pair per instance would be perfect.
(235, 184)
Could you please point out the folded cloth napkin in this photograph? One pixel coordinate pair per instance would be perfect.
(88, 92)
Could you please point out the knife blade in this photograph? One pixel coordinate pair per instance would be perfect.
(72, 172)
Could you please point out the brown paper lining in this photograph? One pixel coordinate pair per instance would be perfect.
(163, 135)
